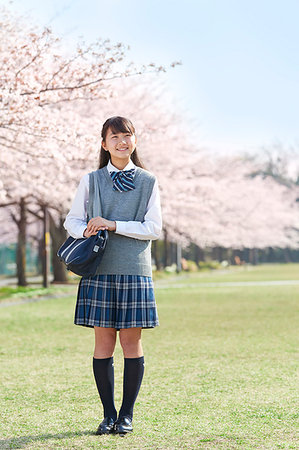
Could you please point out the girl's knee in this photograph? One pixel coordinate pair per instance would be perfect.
(130, 341)
(105, 339)
(105, 333)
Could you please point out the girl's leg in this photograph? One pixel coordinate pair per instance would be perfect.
(130, 340)
(105, 339)
(103, 368)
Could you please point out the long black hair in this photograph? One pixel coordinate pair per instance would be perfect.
(117, 124)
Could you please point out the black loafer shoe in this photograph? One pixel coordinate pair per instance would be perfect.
(106, 426)
(123, 425)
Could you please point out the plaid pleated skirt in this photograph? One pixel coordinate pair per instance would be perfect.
(116, 301)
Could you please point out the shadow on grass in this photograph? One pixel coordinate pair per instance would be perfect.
(23, 441)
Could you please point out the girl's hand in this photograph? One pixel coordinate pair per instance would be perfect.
(99, 223)
(87, 234)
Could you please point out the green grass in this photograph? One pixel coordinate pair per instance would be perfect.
(14, 293)
(265, 272)
(9, 292)
(220, 371)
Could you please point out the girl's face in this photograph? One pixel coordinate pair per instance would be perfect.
(119, 145)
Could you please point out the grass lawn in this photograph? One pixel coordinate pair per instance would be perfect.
(220, 370)
(13, 293)
(265, 272)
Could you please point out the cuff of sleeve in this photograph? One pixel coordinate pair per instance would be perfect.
(120, 226)
(82, 231)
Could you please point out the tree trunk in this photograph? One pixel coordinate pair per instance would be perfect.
(166, 249)
(246, 254)
(199, 254)
(217, 253)
(21, 247)
(173, 253)
(253, 256)
(58, 236)
(287, 255)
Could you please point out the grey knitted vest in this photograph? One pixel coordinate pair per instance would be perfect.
(123, 255)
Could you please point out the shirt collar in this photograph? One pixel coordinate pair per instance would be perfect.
(111, 168)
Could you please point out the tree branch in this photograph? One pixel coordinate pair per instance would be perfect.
(35, 214)
(99, 80)
(14, 218)
(2, 205)
(28, 64)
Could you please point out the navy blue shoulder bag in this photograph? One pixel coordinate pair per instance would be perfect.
(82, 256)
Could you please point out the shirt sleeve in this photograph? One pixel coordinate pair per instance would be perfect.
(151, 227)
(76, 220)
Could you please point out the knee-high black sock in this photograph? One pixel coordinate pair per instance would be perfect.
(133, 374)
(103, 371)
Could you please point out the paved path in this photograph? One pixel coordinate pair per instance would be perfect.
(20, 301)
(160, 285)
(13, 281)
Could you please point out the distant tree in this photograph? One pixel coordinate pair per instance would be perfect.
(278, 162)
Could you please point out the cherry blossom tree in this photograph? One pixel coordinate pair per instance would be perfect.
(52, 109)
(37, 80)
(207, 199)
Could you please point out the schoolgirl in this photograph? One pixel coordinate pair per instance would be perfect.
(123, 198)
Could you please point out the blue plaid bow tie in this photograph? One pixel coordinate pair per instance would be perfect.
(123, 180)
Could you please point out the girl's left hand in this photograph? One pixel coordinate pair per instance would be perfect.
(99, 223)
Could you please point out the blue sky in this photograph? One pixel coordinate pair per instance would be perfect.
(239, 79)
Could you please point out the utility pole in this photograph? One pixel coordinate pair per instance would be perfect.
(46, 247)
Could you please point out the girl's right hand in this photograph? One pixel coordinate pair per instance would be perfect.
(87, 234)
(99, 223)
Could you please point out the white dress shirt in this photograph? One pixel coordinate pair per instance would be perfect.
(75, 222)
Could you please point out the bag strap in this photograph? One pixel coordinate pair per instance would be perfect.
(94, 201)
